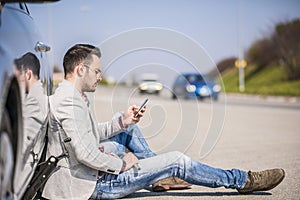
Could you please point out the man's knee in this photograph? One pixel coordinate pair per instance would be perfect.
(131, 128)
(177, 156)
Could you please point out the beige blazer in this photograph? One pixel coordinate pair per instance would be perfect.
(35, 116)
(71, 117)
(35, 112)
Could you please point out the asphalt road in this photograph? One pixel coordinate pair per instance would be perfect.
(246, 132)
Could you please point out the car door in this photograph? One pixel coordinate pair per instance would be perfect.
(24, 103)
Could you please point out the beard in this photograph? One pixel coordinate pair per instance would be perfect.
(89, 87)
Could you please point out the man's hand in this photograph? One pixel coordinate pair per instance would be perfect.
(128, 117)
(130, 159)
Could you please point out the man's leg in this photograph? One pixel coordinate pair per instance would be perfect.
(131, 140)
(179, 165)
(134, 141)
(163, 166)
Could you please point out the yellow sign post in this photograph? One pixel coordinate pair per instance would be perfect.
(241, 64)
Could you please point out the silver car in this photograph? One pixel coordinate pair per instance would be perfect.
(23, 120)
(150, 84)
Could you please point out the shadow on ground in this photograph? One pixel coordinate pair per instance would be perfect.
(185, 193)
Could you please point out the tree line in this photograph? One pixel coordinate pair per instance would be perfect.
(280, 48)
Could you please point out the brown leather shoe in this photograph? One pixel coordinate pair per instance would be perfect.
(171, 183)
(262, 181)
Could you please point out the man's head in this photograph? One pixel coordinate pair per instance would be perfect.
(82, 67)
(27, 70)
(29, 61)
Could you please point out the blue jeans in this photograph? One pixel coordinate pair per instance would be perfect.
(131, 140)
(155, 168)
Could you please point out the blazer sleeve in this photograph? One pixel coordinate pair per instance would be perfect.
(109, 129)
(77, 124)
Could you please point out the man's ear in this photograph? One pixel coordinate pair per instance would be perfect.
(28, 74)
(80, 69)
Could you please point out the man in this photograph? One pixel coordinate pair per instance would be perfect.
(88, 172)
(35, 112)
(35, 103)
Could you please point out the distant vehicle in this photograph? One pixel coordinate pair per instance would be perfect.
(18, 37)
(191, 85)
(150, 84)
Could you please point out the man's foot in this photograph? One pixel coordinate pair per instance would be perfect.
(262, 181)
(171, 183)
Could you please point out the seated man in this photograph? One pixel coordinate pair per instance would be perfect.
(76, 132)
(133, 141)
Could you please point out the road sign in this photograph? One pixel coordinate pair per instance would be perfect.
(240, 63)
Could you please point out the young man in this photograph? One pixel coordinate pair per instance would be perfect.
(90, 172)
(35, 103)
(35, 111)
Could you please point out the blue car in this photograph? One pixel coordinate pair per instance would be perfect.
(194, 85)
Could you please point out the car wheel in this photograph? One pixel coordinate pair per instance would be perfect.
(174, 96)
(6, 158)
(215, 98)
(200, 98)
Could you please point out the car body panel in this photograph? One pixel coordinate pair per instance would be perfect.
(19, 35)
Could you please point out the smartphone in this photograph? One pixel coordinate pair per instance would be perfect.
(141, 107)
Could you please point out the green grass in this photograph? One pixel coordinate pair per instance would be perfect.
(269, 81)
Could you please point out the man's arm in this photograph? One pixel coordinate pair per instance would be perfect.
(76, 123)
(109, 129)
(120, 122)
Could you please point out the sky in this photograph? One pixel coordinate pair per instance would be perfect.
(166, 37)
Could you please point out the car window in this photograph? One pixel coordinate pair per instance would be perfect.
(180, 80)
(18, 7)
(194, 78)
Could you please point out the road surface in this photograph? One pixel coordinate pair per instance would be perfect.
(243, 132)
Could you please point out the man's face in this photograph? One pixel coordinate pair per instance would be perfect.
(92, 76)
(22, 79)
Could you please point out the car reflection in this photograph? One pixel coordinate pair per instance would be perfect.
(34, 100)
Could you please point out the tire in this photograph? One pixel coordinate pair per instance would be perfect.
(215, 98)
(174, 96)
(6, 158)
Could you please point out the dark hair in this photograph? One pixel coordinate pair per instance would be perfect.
(28, 61)
(77, 54)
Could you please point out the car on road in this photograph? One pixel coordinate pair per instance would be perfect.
(20, 153)
(150, 84)
(191, 85)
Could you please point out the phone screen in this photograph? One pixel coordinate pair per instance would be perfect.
(141, 107)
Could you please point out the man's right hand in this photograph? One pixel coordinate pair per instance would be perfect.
(129, 115)
(130, 160)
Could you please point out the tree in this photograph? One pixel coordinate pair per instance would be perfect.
(262, 53)
(222, 66)
(287, 37)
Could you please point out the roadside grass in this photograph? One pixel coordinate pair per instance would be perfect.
(269, 81)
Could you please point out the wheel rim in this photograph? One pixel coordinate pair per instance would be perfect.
(6, 166)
